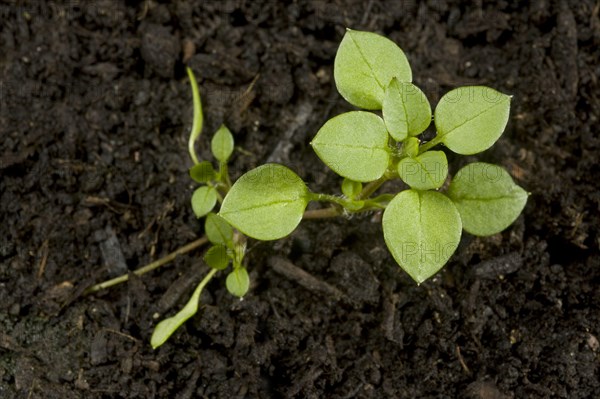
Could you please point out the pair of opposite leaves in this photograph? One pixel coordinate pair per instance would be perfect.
(421, 228)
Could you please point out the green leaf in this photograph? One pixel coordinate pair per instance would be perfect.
(222, 144)
(364, 65)
(198, 116)
(422, 230)
(351, 188)
(218, 231)
(410, 147)
(354, 145)
(471, 119)
(267, 203)
(202, 172)
(238, 282)
(203, 200)
(487, 198)
(217, 257)
(425, 172)
(167, 327)
(406, 111)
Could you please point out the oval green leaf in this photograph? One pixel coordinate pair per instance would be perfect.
(202, 172)
(427, 171)
(364, 65)
(422, 230)
(222, 144)
(238, 282)
(487, 198)
(218, 231)
(204, 200)
(267, 203)
(471, 119)
(217, 257)
(354, 145)
(406, 110)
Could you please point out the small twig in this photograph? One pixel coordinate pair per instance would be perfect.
(367, 12)
(305, 279)
(462, 361)
(149, 267)
(247, 96)
(389, 317)
(44, 259)
(110, 330)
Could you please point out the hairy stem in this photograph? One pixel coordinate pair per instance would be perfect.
(149, 267)
(328, 198)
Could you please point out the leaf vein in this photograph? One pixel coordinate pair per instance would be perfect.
(353, 146)
(262, 205)
(366, 62)
(486, 199)
(470, 119)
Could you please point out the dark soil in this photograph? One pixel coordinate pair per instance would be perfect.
(94, 114)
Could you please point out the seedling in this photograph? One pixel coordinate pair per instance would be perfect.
(422, 226)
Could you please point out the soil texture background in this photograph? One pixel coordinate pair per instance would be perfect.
(94, 113)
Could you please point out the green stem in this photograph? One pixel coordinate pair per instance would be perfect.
(377, 202)
(149, 267)
(328, 198)
(219, 196)
(218, 187)
(343, 203)
(206, 279)
(224, 172)
(371, 187)
(430, 144)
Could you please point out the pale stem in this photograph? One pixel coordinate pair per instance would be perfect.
(330, 212)
(149, 267)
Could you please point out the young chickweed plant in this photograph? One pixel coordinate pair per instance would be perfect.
(422, 226)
